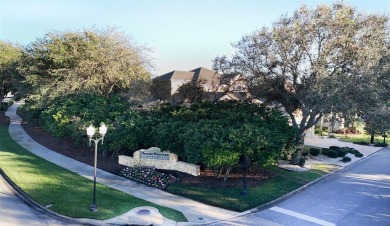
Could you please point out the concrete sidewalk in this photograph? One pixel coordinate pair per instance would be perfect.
(325, 142)
(197, 213)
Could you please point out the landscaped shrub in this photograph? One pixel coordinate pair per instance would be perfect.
(318, 130)
(381, 145)
(197, 131)
(354, 152)
(358, 155)
(68, 116)
(361, 142)
(346, 159)
(305, 152)
(31, 112)
(324, 151)
(332, 154)
(341, 152)
(302, 162)
(5, 105)
(315, 151)
(212, 134)
(334, 147)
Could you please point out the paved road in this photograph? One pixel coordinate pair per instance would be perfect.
(358, 195)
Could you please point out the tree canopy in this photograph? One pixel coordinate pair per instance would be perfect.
(378, 122)
(313, 61)
(104, 61)
(9, 58)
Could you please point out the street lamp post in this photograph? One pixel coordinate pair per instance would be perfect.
(91, 132)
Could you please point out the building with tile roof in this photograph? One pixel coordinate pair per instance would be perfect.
(215, 86)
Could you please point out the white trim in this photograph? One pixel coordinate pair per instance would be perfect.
(302, 216)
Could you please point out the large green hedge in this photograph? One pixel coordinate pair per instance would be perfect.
(213, 134)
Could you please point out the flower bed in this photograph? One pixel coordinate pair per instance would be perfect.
(148, 176)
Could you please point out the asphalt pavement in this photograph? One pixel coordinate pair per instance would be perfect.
(358, 195)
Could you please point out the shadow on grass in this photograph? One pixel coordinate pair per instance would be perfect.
(230, 198)
(65, 192)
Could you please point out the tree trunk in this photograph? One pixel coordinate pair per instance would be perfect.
(330, 124)
(296, 158)
(227, 173)
(372, 138)
(217, 172)
(2, 94)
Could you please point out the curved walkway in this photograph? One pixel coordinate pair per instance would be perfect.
(196, 212)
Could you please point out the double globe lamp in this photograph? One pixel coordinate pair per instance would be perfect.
(91, 132)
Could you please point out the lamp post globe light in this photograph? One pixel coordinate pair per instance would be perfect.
(91, 132)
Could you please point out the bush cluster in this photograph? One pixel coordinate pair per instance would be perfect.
(332, 154)
(212, 134)
(4, 105)
(361, 142)
(346, 159)
(355, 152)
(302, 162)
(314, 151)
(335, 151)
(217, 134)
(381, 144)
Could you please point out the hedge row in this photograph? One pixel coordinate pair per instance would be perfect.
(213, 134)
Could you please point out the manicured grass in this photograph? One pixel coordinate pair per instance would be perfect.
(65, 192)
(356, 138)
(230, 198)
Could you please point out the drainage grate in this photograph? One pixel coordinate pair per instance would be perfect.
(143, 212)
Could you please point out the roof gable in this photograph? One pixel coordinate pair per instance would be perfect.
(205, 75)
(200, 74)
(177, 75)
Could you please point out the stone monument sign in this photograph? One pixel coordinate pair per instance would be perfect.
(154, 157)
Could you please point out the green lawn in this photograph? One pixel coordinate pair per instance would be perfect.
(356, 138)
(65, 192)
(230, 198)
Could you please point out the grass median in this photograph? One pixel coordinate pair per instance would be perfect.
(63, 191)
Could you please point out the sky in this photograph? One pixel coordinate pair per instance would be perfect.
(184, 34)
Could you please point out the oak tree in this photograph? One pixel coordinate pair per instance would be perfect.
(105, 61)
(9, 58)
(312, 60)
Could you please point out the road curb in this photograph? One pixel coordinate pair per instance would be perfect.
(41, 209)
(298, 190)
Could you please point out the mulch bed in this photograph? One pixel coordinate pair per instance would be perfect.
(82, 153)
